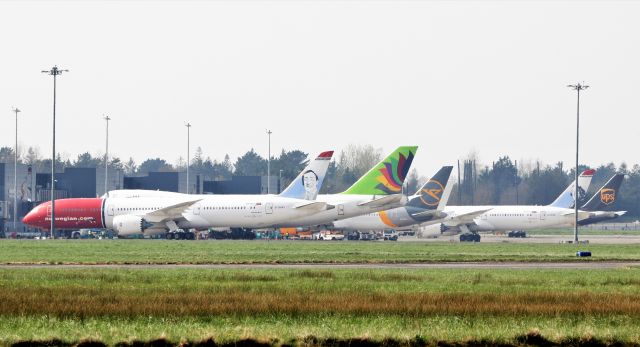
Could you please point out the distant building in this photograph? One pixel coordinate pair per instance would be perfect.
(25, 193)
(166, 181)
(242, 185)
(76, 182)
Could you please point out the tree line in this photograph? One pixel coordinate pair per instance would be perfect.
(504, 181)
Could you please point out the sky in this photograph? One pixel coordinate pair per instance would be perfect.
(459, 77)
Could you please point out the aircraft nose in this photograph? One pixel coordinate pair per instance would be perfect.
(30, 219)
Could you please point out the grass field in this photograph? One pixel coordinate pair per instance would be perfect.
(251, 252)
(282, 306)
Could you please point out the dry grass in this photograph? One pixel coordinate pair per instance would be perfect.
(90, 302)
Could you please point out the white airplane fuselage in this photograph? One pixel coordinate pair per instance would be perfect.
(505, 218)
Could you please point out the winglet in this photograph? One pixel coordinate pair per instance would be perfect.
(309, 181)
(388, 176)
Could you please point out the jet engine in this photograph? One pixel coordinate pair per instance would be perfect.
(436, 230)
(130, 225)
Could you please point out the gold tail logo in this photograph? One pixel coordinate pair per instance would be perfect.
(432, 193)
(608, 196)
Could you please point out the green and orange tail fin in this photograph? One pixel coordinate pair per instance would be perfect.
(388, 176)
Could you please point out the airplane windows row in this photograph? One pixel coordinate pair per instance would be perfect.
(137, 208)
(227, 208)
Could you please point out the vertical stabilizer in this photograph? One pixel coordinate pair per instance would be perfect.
(388, 176)
(430, 196)
(565, 199)
(309, 181)
(604, 198)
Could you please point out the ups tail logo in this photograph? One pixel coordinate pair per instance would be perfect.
(432, 193)
(607, 196)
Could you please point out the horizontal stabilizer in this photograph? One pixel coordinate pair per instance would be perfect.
(581, 215)
(383, 201)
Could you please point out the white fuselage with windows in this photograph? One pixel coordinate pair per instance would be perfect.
(243, 211)
(499, 218)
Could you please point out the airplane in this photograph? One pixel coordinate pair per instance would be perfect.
(158, 212)
(378, 190)
(469, 220)
(601, 203)
(425, 205)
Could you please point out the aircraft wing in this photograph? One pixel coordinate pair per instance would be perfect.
(465, 218)
(170, 212)
(313, 206)
(383, 201)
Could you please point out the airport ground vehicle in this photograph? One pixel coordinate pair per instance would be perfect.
(390, 235)
(328, 235)
(517, 233)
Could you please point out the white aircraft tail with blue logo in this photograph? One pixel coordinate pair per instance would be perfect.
(308, 183)
(566, 200)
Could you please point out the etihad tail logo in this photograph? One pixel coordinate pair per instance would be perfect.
(607, 196)
(431, 193)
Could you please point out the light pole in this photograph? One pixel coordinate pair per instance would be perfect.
(577, 87)
(15, 174)
(188, 125)
(269, 164)
(280, 182)
(106, 158)
(53, 72)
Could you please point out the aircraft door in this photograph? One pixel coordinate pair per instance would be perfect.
(110, 210)
(543, 215)
(253, 210)
(341, 210)
(268, 208)
(196, 209)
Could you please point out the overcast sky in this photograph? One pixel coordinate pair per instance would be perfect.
(451, 77)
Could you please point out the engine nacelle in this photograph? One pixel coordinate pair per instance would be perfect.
(437, 230)
(129, 225)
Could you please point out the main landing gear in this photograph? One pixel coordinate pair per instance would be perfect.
(473, 237)
(180, 235)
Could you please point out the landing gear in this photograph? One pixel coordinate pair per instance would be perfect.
(180, 235)
(469, 237)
